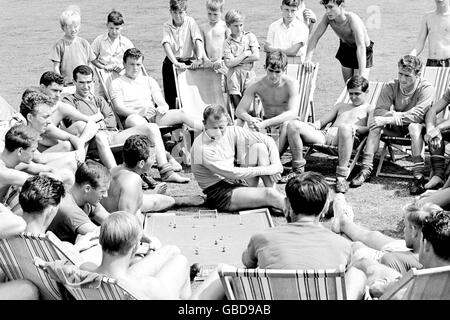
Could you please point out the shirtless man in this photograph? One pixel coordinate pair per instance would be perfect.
(214, 33)
(82, 126)
(355, 50)
(436, 26)
(229, 187)
(125, 192)
(16, 162)
(162, 274)
(278, 95)
(348, 121)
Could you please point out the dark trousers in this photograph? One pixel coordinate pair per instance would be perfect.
(170, 89)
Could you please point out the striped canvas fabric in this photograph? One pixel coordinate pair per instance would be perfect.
(17, 255)
(109, 289)
(424, 284)
(271, 284)
(307, 86)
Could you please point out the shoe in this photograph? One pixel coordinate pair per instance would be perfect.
(418, 186)
(341, 185)
(194, 271)
(285, 179)
(362, 176)
(148, 182)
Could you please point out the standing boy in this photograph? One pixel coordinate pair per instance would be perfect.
(214, 33)
(70, 51)
(436, 26)
(355, 49)
(288, 34)
(240, 51)
(181, 40)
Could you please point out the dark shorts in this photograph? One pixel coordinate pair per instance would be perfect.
(438, 63)
(218, 196)
(347, 55)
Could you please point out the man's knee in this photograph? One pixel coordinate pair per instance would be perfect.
(66, 146)
(345, 131)
(101, 140)
(415, 130)
(24, 290)
(78, 127)
(294, 127)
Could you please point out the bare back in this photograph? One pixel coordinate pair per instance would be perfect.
(214, 37)
(345, 30)
(349, 114)
(274, 99)
(120, 181)
(438, 27)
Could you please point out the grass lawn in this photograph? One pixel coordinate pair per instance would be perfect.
(31, 28)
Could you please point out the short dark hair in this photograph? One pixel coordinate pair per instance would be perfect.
(276, 60)
(39, 192)
(49, 77)
(20, 136)
(91, 172)
(133, 53)
(358, 81)
(436, 230)
(307, 193)
(176, 5)
(215, 110)
(410, 63)
(135, 149)
(290, 3)
(31, 98)
(325, 2)
(115, 17)
(82, 69)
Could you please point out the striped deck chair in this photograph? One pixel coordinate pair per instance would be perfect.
(440, 79)
(196, 89)
(272, 284)
(17, 255)
(98, 287)
(425, 284)
(359, 144)
(306, 88)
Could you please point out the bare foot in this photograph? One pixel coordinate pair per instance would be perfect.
(175, 165)
(435, 182)
(342, 211)
(195, 201)
(176, 178)
(160, 188)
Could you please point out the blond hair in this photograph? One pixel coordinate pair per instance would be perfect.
(215, 5)
(71, 14)
(233, 16)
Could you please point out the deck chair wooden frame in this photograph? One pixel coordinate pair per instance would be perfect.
(108, 289)
(440, 78)
(196, 89)
(275, 284)
(17, 255)
(425, 284)
(306, 87)
(358, 148)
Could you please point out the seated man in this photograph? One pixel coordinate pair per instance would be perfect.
(40, 198)
(437, 133)
(410, 96)
(162, 274)
(82, 126)
(347, 121)
(87, 103)
(134, 97)
(125, 192)
(80, 210)
(213, 157)
(401, 255)
(434, 252)
(303, 243)
(279, 97)
(11, 224)
(16, 164)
